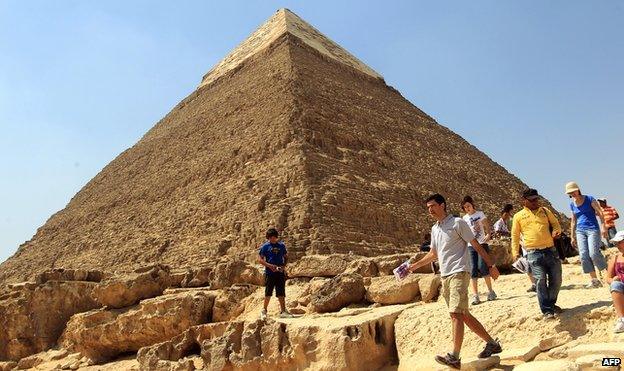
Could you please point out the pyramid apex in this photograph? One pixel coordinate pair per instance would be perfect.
(285, 21)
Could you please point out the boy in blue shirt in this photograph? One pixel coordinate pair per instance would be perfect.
(273, 256)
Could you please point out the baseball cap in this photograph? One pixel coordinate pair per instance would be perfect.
(618, 237)
(530, 194)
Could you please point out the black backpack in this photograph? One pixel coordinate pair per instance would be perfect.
(564, 247)
(563, 244)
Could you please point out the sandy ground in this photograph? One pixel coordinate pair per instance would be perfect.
(514, 318)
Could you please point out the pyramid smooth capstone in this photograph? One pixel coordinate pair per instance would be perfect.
(282, 22)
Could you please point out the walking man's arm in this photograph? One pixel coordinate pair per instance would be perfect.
(427, 259)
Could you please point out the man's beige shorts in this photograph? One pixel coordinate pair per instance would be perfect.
(455, 291)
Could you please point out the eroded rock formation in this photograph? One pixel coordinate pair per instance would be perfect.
(33, 316)
(102, 334)
(338, 292)
(127, 290)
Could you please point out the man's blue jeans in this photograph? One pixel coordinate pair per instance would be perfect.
(546, 268)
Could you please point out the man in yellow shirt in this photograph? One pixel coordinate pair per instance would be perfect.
(539, 227)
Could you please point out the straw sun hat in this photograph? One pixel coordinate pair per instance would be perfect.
(571, 187)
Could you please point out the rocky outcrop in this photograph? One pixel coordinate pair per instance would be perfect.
(60, 274)
(387, 290)
(522, 354)
(32, 316)
(7, 366)
(615, 349)
(554, 341)
(178, 276)
(230, 271)
(338, 292)
(358, 340)
(198, 277)
(102, 334)
(386, 263)
(500, 251)
(555, 365)
(172, 331)
(171, 353)
(228, 303)
(335, 264)
(429, 287)
(594, 361)
(312, 287)
(364, 267)
(126, 290)
(48, 356)
(320, 265)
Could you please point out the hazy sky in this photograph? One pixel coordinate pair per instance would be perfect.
(538, 86)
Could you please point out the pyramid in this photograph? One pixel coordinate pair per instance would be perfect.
(289, 130)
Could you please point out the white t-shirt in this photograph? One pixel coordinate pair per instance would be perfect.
(501, 226)
(475, 221)
(448, 240)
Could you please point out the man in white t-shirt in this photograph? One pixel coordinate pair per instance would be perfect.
(449, 236)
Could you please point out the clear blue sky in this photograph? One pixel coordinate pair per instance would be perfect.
(538, 86)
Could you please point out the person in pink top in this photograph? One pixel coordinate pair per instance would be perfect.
(615, 278)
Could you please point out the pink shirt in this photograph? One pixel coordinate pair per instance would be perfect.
(619, 268)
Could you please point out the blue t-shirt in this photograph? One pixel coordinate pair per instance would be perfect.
(273, 254)
(585, 215)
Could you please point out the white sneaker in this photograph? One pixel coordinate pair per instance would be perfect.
(619, 325)
(594, 284)
(263, 314)
(286, 314)
(475, 300)
(491, 296)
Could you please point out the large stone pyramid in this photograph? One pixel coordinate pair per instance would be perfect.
(289, 130)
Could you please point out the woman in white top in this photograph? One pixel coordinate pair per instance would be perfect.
(481, 228)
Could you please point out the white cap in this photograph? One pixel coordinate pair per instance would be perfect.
(618, 237)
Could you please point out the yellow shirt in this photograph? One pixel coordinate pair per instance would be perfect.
(535, 229)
